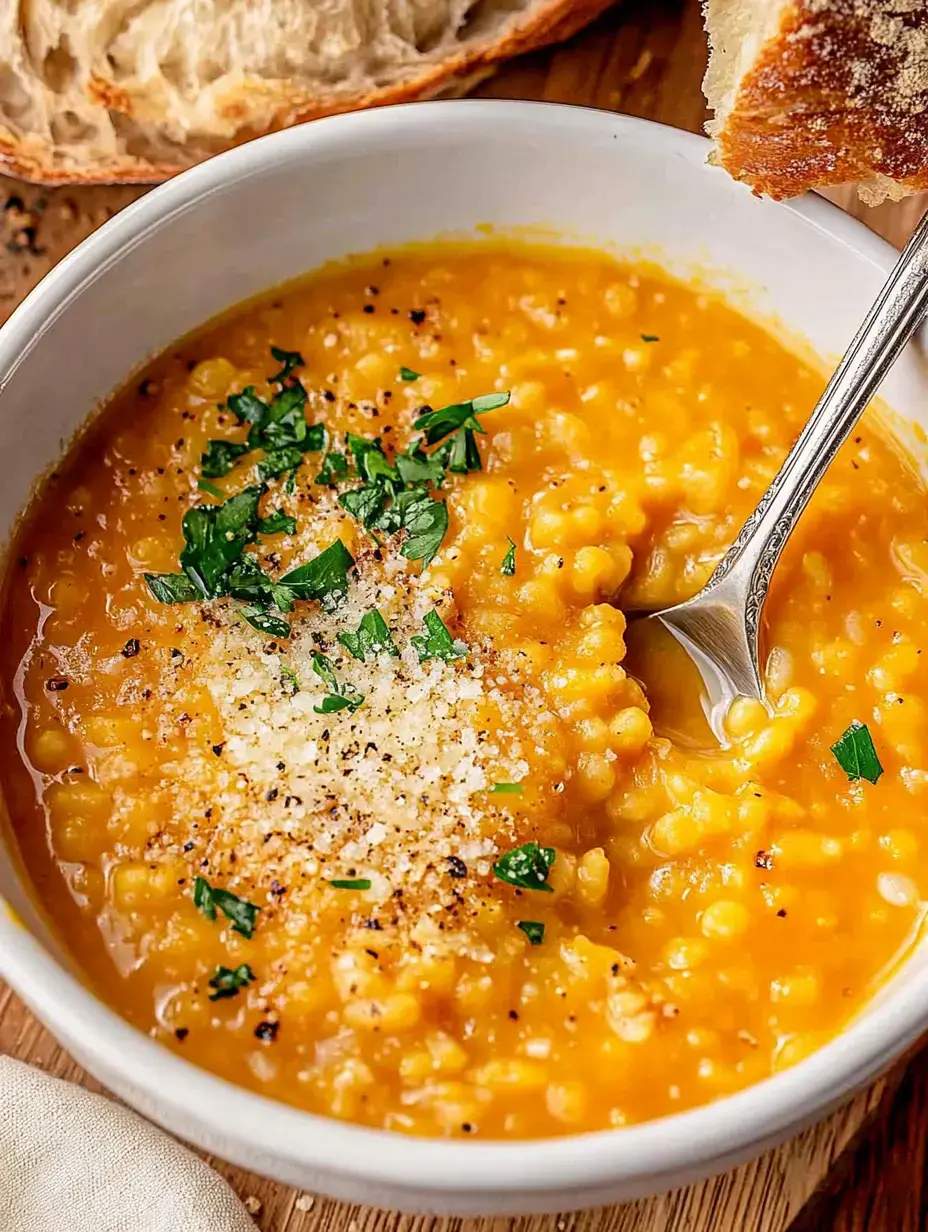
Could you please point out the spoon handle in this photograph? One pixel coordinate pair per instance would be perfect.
(887, 327)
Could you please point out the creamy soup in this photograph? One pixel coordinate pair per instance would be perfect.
(330, 774)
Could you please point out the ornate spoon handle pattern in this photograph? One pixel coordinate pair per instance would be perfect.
(722, 624)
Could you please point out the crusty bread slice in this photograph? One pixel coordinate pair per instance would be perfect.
(809, 93)
(97, 91)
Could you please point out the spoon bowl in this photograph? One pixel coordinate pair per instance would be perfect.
(720, 628)
(680, 706)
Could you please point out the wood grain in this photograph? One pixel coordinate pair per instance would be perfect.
(644, 58)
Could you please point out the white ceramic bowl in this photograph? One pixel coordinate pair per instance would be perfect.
(281, 206)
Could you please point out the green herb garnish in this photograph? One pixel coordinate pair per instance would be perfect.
(856, 754)
(289, 680)
(266, 622)
(171, 587)
(650, 338)
(436, 425)
(291, 360)
(439, 644)
(533, 930)
(334, 467)
(341, 696)
(325, 577)
(351, 883)
(216, 536)
(526, 867)
(227, 981)
(459, 422)
(369, 458)
(325, 671)
(417, 468)
(508, 566)
(284, 424)
(277, 523)
(506, 789)
(425, 522)
(220, 456)
(408, 374)
(211, 488)
(335, 702)
(274, 463)
(247, 407)
(372, 638)
(399, 495)
(365, 504)
(242, 914)
(247, 580)
(278, 427)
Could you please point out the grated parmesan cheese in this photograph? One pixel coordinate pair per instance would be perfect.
(388, 793)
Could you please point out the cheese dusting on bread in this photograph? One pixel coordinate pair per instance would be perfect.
(811, 93)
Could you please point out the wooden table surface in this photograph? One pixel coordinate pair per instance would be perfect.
(865, 1167)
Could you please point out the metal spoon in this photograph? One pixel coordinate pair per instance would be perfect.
(720, 626)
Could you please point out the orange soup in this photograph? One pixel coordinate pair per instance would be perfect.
(330, 773)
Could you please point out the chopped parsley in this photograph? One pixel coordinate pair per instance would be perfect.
(439, 644)
(208, 898)
(351, 883)
(278, 427)
(282, 424)
(533, 930)
(215, 537)
(650, 338)
(325, 577)
(400, 495)
(369, 458)
(409, 374)
(291, 360)
(365, 504)
(506, 789)
(426, 522)
(455, 426)
(856, 754)
(277, 523)
(248, 581)
(277, 461)
(228, 980)
(215, 564)
(417, 467)
(436, 425)
(508, 565)
(266, 622)
(325, 671)
(336, 701)
(372, 638)
(341, 696)
(172, 587)
(289, 680)
(526, 867)
(334, 467)
(220, 456)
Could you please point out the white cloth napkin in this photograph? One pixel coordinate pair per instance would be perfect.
(71, 1161)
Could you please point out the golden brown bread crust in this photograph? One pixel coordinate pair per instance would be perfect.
(838, 95)
(552, 21)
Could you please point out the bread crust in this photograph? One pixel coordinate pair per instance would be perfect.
(838, 95)
(549, 21)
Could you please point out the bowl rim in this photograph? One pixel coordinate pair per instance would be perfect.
(257, 1124)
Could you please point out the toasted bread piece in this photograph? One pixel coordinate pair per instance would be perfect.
(100, 91)
(810, 93)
